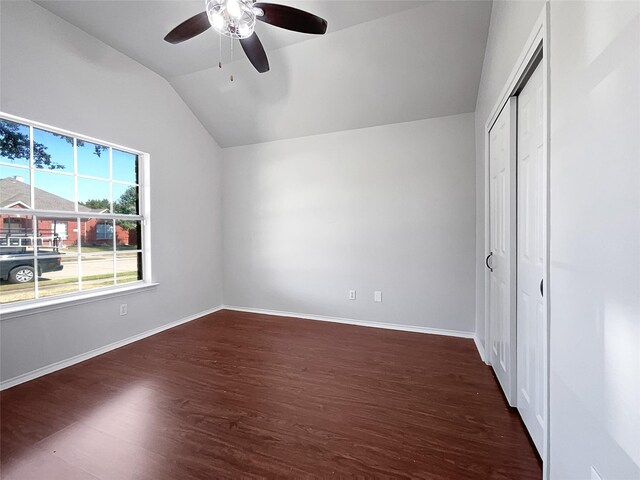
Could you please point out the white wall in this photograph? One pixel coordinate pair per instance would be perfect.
(595, 239)
(511, 24)
(54, 73)
(386, 208)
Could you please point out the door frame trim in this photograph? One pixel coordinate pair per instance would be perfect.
(537, 45)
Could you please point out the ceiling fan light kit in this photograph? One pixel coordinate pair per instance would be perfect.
(236, 19)
(232, 18)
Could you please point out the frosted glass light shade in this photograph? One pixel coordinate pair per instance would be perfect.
(232, 18)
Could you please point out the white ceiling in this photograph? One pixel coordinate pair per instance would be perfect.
(381, 62)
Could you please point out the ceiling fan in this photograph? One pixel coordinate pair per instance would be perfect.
(237, 19)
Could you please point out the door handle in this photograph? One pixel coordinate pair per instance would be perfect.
(486, 261)
(541, 285)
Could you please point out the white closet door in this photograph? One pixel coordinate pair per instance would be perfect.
(502, 208)
(530, 301)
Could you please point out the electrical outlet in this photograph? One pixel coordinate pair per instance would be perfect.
(352, 294)
(123, 309)
(377, 296)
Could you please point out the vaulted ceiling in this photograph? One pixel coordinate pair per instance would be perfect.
(380, 62)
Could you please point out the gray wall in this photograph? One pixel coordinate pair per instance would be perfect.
(595, 239)
(54, 73)
(386, 208)
(595, 224)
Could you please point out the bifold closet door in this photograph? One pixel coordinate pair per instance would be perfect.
(531, 307)
(501, 259)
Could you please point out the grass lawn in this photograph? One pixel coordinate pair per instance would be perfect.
(25, 291)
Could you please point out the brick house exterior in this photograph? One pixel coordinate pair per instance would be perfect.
(15, 194)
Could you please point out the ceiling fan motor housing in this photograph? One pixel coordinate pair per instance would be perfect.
(232, 18)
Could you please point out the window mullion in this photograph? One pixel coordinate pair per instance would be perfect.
(113, 250)
(64, 214)
(32, 176)
(79, 257)
(34, 243)
(75, 174)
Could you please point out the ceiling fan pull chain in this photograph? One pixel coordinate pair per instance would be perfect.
(219, 51)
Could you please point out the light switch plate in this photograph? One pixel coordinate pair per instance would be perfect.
(377, 296)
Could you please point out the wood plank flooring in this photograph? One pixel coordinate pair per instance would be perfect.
(244, 395)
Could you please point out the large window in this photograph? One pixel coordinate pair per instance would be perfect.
(71, 212)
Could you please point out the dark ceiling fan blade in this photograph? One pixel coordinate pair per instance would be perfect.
(291, 18)
(189, 28)
(252, 46)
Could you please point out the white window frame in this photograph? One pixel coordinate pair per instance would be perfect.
(27, 307)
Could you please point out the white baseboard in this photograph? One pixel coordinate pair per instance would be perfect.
(350, 321)
(11, 382)
(480, 349)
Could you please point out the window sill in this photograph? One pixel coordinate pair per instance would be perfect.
(39, 306)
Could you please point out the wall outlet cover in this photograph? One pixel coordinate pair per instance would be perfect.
(377, 296)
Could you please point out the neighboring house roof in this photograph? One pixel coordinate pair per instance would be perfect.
(16, 204)
(14, 192)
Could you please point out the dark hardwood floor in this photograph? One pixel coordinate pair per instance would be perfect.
(245, 395)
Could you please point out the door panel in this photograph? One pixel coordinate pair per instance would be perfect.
(531, 308)
(502, 189)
